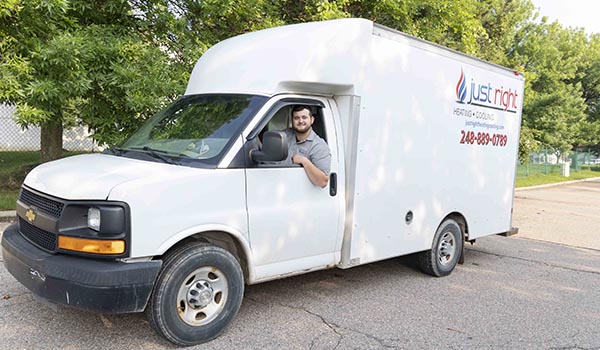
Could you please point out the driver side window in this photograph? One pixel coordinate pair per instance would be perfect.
(277, 119)
(281, 120)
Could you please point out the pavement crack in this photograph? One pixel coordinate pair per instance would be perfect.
(538, 262)
(380, 341)
(331, 326)
(457, 331)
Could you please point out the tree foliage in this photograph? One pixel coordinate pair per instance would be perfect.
(554, 59)
(78, 62)
(110, 64)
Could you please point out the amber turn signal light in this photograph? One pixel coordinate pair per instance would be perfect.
(93, 246)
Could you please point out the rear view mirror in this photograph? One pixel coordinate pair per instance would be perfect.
(274, 148)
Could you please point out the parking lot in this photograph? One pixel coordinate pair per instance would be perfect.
(537, 290)
(561, 214)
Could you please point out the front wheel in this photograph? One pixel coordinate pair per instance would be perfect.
(197, 294)
(445, 252)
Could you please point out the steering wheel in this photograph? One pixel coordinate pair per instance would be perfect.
(196, 149)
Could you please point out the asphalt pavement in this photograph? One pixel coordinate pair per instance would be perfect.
(519, 292)
(564, 214)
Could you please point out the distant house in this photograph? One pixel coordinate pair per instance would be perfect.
(14, 138)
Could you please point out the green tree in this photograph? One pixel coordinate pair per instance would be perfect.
(590, 82)
(551, 57)
(451, 23)
(187, 28)
(71, 62)
(502, 21)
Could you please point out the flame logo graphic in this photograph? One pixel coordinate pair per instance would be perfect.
(461, 87)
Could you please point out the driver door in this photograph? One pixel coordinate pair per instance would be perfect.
(293, 224)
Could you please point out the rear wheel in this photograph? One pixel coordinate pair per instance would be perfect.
(446, 249)
(197, 294)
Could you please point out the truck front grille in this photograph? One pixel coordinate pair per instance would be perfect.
(46, 205)
(44, 239)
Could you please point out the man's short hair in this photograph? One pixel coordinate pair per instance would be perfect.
(299, 108)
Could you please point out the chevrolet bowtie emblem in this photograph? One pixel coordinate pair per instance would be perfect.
(30, 214)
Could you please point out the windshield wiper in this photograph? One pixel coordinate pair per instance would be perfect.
(155, 153)
(117, 151)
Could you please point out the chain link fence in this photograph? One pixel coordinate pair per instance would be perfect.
(14, 138)
(548, 162)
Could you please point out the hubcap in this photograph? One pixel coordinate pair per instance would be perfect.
(202, 296)
(446, 249)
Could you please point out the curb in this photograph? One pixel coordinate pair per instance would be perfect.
(555, 184)
(8, 216)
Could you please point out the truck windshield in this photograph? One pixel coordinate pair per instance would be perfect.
(195, 130)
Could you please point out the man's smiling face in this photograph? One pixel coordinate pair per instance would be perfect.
(302, 121)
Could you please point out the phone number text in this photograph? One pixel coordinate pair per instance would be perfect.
(483, 138)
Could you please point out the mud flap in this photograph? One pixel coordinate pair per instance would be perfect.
(461, 259)
(513, 231)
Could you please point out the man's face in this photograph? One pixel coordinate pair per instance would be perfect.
(301, 121)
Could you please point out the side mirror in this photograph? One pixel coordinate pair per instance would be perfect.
(274, 148)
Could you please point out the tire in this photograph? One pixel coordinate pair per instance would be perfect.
(197, 294)
(446, 249)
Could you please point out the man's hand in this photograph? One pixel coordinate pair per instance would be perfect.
(315, 175)
(299, 159)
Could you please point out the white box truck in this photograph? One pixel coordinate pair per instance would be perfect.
(423, 143)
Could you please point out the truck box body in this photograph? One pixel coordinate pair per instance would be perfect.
(423, 143)
(407, 106)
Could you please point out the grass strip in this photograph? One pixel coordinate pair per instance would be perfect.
(543, 179)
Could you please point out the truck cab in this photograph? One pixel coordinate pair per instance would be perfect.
(97, 231)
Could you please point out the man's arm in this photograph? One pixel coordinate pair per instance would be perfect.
(315, 175)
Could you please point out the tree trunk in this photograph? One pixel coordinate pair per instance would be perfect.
(51, 141)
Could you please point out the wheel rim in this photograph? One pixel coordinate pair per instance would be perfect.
(446, 249)
(202, 296)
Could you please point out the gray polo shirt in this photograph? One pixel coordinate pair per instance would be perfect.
(314, 148)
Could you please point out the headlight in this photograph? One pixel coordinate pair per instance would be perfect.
(95, 228)
(93, 218)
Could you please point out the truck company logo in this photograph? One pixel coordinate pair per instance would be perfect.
(30, 214)
(485, 95)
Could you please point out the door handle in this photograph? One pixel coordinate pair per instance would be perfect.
(332, 184)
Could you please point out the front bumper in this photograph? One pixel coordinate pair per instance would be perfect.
(95, 285)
